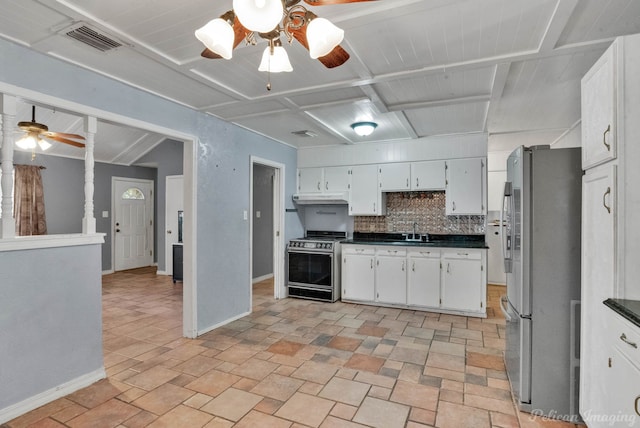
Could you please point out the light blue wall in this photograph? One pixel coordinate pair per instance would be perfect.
(222, 189)
(50, 319)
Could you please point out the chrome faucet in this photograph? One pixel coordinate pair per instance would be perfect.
(415, 226)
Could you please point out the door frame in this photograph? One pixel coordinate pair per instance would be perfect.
(279, 290)
(152, 236)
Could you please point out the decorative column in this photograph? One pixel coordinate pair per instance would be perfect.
(7, 222)
(89, 220)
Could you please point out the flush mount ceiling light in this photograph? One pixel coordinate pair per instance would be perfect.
(364, 129)
(269, 18)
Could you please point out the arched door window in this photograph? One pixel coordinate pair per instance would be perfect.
(133, 193)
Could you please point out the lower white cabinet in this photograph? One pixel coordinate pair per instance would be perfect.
(358, 274)
(423, 278)
(391, 276)
(462, 279)
(439, 279)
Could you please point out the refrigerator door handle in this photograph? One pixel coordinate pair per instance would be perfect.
(505, 241)
(505, 312)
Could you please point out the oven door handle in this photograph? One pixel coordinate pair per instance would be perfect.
(321, 253)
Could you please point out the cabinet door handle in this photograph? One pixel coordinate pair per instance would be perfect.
(623, 337)
(318, 185)
(326, 185)
(448, 268)
(413, 267)
(635, 405)
(604, 199)
(407, 183)
(374, 207)
(371, 263)
(402, 266)
(604, 138)
(454, 205)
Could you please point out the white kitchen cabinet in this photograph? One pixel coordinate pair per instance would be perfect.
(337, 179)
(358, 273)
(394, 177)
(610, 202)
(428, 175)
(462, 280)
(310, 180)
(423, 278)
(391, 275)
(466, 186)
(365, 197)
(413, 277)
(598, 112)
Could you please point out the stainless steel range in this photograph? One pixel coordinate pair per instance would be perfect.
(314, 266)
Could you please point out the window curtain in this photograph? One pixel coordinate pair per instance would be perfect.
(28, 203)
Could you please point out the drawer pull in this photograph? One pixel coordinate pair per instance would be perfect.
(623, 337)
(635, 405)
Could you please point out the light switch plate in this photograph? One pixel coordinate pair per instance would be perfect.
(245, 215)
(257, 214)
(105, 214)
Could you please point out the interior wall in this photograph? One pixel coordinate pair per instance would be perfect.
(262, 220)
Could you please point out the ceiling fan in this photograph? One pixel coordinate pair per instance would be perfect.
(268, 18)
(37, 133)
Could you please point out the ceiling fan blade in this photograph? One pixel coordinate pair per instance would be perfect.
(51, 134)
(65, 141)
(328, 2)
(335, 58)
(240, 33)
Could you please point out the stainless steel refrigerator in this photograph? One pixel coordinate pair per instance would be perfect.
(541, 249)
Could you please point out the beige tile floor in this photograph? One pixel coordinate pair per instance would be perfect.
(292, 363)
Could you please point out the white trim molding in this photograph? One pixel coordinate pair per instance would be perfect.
(31, 403)
(49, 241)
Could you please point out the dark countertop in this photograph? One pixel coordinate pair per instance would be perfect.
(628, 309)
(430, 240)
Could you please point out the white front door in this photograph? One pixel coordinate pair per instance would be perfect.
(133, 223)
(174, 203)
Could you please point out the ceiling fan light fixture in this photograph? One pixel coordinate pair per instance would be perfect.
(28, 141)
(218, 36)
(260, 16)
(323, 36)
(44, 144)
(364, 129)
(275, 59)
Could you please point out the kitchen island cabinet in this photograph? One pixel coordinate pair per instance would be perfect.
(416, 277)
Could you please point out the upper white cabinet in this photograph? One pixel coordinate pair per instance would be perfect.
(365, 197)
(336, 179)
(428, 175)
(599, 126)
(323, 180)
(394, 177)
(310, 180)
(466, 186)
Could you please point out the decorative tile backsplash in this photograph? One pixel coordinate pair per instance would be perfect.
(427, 209)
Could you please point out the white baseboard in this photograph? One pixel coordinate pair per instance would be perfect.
(18, 409)
(162, 272)
(225, 322)
(262, 278)
(108, 272)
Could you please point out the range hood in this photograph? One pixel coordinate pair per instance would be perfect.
(340, 198)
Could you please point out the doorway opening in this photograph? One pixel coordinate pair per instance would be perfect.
(266, 225)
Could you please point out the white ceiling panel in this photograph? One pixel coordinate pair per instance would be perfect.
(542, 94)
(598, 19)
(27, 21)
(450, 119)
(437, 86)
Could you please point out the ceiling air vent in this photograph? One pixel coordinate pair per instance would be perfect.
(304, 133)
(92, 37)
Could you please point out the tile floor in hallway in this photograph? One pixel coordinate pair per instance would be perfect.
(292, 363)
